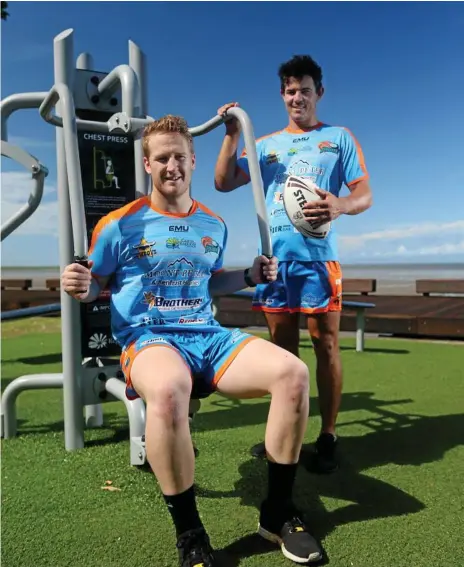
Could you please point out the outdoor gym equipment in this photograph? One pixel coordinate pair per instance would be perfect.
(97, 117)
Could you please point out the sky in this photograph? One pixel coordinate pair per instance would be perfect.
(392, 75)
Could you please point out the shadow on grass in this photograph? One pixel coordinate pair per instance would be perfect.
(40, 359)
(399, 441)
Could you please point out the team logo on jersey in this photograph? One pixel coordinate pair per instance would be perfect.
(292, 152)
(149, 298)
(178, 228)
(278, 213)
(328, 147)
(278, 197)
(180, 261)
(144, 248)
(302, 168)
(174, 243)
(272, 157)
(170, 304)
(210, 244)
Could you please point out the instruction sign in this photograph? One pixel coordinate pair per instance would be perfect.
(108, 181)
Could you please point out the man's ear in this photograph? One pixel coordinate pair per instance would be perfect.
(146, 165)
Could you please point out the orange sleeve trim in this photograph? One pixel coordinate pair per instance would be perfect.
(359, 152)
(362, 178)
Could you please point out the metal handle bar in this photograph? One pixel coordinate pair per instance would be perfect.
(39, 173)
(61, 92)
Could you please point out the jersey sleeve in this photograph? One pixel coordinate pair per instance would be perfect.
(220, 259)
(104, 247)
(352, 160)
(242, 161)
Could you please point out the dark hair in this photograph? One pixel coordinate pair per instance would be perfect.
(297, 67)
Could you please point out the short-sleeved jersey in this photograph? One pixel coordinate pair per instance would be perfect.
(160, 265)
(328, 155)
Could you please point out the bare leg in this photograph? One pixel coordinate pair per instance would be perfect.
(324, 328)
(285, 332)
(167, 434)
(260, 369)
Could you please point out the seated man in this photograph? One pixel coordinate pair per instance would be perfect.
(162, 257)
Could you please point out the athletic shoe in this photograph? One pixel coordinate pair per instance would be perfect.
(289, 531)
(325, 460)
(258, 451)
(195, 549)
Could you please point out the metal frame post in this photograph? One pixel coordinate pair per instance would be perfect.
(70, 321)
(137, 60)
(94, 412)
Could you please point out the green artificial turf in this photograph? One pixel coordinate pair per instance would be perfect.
(396, 501)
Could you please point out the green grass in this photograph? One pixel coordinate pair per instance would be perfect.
(398, 500)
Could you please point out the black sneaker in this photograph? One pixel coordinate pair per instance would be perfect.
(295, 541)
(259, 451)
(195, 549)
(325, 460)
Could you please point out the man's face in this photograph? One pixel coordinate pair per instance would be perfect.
(300, 99)
(170, 163)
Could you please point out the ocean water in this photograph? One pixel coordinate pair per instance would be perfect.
(396, 279)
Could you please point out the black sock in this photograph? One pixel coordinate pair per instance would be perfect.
(183, 509)
(281, 479)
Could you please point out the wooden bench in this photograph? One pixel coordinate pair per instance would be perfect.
(362, 286)
(440, 287)
(19, 293)
(357, 306)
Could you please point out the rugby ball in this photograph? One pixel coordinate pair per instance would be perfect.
(297, 192)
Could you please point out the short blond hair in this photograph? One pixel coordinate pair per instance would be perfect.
(164, 125)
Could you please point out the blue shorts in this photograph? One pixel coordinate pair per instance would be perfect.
(207, 355)
(301, 287)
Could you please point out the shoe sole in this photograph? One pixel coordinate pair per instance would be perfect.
(274, 538)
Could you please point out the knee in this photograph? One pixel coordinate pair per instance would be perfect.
(292, 380)
(169, 402)
(325, 343)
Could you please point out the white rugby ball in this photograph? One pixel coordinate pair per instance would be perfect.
(297, 192)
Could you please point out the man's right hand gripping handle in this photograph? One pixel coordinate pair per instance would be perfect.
(76, 279)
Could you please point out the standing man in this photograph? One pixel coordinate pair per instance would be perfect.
(309, 275)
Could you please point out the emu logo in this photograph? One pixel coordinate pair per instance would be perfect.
(178, 228)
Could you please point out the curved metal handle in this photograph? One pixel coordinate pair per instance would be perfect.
(39, 173)
(61, 92)
(255, 176)
(125, 76)
(207, 126)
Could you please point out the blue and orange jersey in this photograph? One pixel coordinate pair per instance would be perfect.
(160, 265)
(328, 155)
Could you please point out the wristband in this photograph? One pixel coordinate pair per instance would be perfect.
(248, 280)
